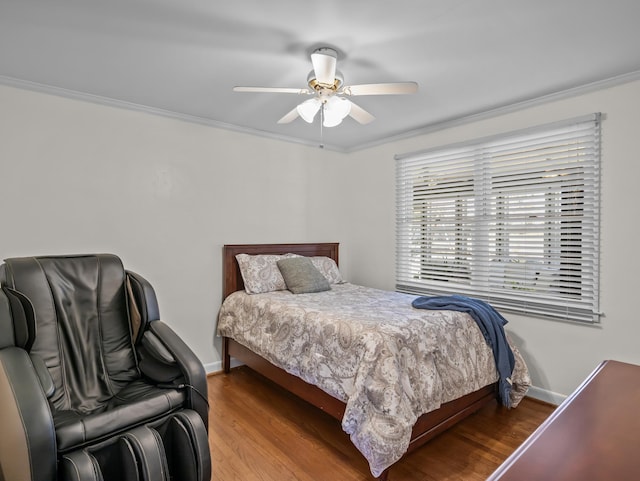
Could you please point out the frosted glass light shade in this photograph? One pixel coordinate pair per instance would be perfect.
(308, 109)
(335, 110)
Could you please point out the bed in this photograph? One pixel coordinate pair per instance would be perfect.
(338, 398)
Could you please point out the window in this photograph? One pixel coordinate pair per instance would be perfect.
(512, 219)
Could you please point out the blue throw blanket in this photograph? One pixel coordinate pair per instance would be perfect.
(490, 323)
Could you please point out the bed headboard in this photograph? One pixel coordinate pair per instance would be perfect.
(232, 279)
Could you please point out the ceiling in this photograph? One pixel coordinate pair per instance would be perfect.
(183, 57)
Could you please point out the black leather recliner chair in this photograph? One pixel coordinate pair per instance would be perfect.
(93, 386)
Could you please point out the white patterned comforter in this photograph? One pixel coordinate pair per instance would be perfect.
(387, 361)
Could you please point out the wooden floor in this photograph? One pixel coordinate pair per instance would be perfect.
(258, 432)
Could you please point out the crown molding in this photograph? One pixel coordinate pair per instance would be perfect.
(109, 102)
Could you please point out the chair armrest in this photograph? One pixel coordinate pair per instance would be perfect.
(190, 366)
(156, 361)
(28, 441)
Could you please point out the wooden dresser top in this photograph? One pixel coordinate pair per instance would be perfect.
(593, 435)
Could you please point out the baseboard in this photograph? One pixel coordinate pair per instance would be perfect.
(214, 367)
(545, 395)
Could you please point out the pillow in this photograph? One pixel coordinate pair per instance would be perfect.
(328, 267)
(301, 276)
(260, 272)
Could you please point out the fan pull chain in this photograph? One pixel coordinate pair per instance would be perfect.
(321, 124)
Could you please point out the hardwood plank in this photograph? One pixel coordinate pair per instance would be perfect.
(260, 432)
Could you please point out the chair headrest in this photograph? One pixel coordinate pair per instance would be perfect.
(17, 320)
(33, 286)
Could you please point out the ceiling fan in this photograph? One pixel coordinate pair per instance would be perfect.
(329, 93)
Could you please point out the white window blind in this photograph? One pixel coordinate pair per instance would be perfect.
(512, 219)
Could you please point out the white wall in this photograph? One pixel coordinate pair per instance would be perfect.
(560, 355)
(163, 194)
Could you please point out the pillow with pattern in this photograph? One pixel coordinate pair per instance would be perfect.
(329, 269)
(260, 272)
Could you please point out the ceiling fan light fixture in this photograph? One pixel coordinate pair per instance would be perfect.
(335, 110)
(308, 109)
(327, 87)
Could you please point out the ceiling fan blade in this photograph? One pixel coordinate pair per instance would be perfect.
(290, 116)
(382, 89)
(324, 65)
(360, 115)
(276, 90)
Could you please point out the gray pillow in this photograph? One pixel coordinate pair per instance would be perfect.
(301, 276)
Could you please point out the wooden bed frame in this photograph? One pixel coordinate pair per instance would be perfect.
(427, 426)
